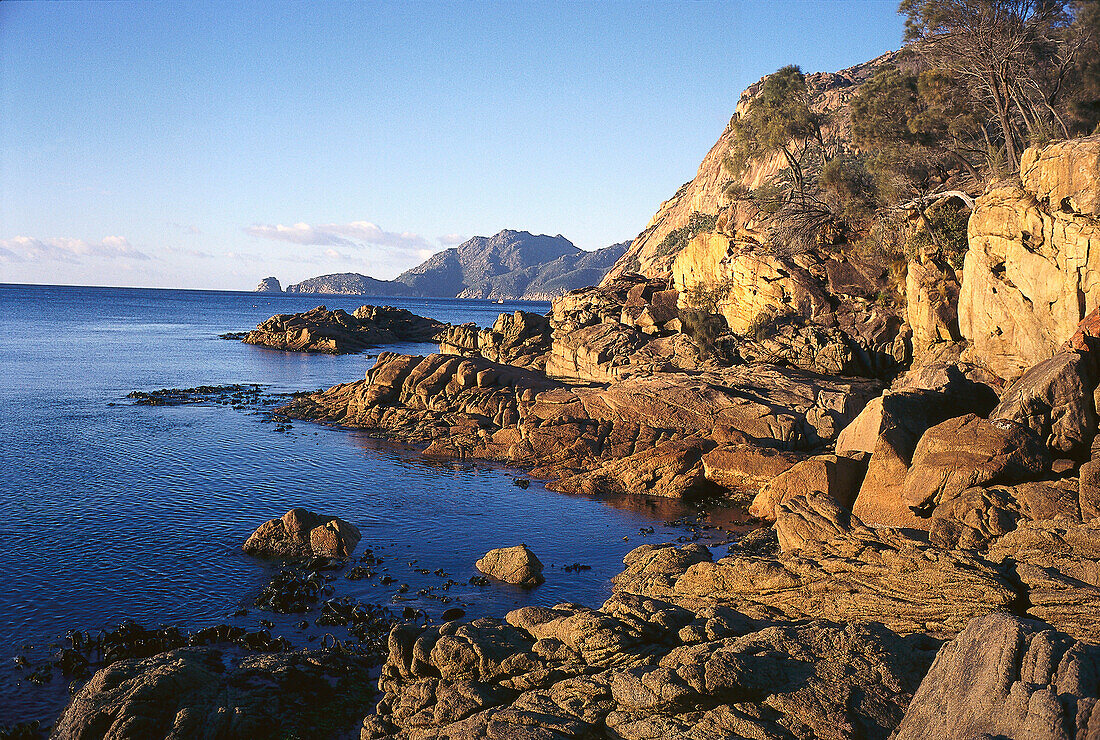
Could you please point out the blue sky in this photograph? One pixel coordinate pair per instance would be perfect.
(208, 145)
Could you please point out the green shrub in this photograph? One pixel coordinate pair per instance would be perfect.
(677, 239)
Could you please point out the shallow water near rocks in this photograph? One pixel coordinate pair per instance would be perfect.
(111, 510)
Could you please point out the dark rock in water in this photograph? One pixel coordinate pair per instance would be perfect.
(301, 533)
(236, 395)
(338, 332)
(453, 613)
(191, 692)
(269, 285)
(1008, 677)
(516, 565)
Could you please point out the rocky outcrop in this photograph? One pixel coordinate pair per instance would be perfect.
(516, 565)
(206, 692)
(338, 332)
(816, 310)
(1008, 677)
(1030, 274)
(521, 339)
(471, 407)
(301, 533)
(269, 285)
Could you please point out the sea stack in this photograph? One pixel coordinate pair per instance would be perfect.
(269, 285)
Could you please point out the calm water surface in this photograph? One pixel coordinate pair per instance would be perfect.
(111, 511)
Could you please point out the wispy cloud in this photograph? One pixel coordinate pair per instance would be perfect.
(65, 249)
(185, 228)
(450, 240)
(353, 235)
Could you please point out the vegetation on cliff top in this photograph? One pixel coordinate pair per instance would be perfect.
(978, 81)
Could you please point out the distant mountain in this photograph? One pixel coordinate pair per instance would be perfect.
(511, 264)
(466, 271)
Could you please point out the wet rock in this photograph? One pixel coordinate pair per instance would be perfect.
(191, 692)
(516, 565)
(301, 533)
(1007, 677)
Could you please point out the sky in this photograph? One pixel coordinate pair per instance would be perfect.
(209, 145)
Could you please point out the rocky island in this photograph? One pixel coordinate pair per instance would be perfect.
(338, 332)
(899, 383)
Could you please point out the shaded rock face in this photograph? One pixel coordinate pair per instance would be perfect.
(269, 285)
(192, 693)
(337, 332)
(516, 565)
(971, 451)
(1030, 275)
(637, 433)
(1008, 677)
(301, 533)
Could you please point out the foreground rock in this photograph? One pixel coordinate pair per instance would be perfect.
(300, 533)
(337, 332)
(516, 565)
(205, 692)
(1007, 677)
(641, 669)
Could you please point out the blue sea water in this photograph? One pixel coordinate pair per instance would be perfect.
(111, 511)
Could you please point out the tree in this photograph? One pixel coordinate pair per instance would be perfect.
(1014, 56)
(779, 119)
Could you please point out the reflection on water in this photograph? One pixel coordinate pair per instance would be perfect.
(111, 511)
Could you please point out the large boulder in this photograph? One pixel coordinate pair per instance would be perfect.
(889, 428)
(301, 533)
(747, 467)
(1007, 677)
(516, 565)
(1055, 400)
(838, 478)
(970, 451)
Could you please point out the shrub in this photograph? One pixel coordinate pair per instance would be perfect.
(677, 239)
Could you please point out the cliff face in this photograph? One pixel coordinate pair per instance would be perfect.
(1033, 268)
(512, 264)
(830, 92)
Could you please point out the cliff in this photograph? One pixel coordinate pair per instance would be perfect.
(511, 264)
(652, 251)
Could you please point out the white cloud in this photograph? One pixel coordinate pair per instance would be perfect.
(450, 240)
(353, 235)
(66, 249)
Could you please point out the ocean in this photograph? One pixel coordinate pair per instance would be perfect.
(112, 511)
